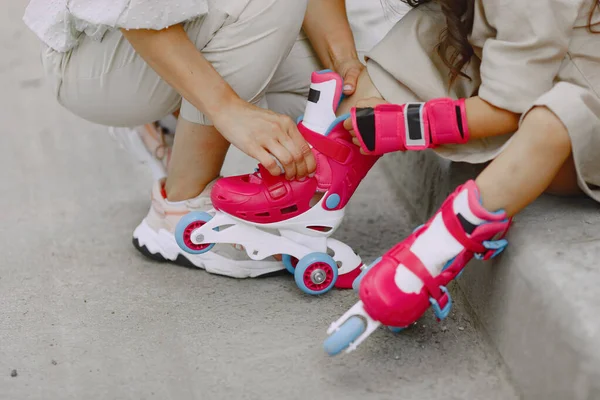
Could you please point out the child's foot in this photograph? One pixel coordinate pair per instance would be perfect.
(399, 287)
(155, 238)
(150, 144)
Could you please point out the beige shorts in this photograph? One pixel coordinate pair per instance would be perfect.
(404, 67)
(260, 54)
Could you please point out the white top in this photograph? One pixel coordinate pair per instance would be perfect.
(60, 23)
(371, 20)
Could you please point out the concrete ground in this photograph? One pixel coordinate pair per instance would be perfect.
(83, 315)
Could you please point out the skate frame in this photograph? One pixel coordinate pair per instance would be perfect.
(293, 237)
(359, 311)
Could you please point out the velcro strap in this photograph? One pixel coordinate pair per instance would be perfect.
(400, 128)
(266, 177)
(414, 264)
(447, 120)
(389, 128)
(457, 231)
(328, 147)
(274, 184)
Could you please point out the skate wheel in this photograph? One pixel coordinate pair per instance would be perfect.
(356, 283)
(396, 329)
(316, 273)
(289, 262)
(346, 334)
(183, 231)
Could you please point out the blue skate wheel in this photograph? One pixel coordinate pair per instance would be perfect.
(289, 262)
(316, 273)
(341, 339)
(356, 283)
(183, 231)
(396, 329)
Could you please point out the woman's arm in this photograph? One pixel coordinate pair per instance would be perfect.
(326, 25)
(257, 132)
(175, 58)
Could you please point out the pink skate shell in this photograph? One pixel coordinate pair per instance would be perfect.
(382, 298)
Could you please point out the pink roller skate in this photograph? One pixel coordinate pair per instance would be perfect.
(270, 215)
(399, 287)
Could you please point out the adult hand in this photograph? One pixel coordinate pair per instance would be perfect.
(363, 103)
(267, 137)
(349, 69)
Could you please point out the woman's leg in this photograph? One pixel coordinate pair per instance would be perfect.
(108, 83)
(197, 158)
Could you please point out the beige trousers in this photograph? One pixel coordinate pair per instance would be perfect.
(108, 83)
(260, 54)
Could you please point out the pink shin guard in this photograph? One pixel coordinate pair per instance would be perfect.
(412, 126)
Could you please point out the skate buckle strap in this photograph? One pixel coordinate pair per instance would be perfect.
(438, 294)
(326, 146)
(494, 247)
(275, 185)
(485, 250)
(457, 231)
(441, 312)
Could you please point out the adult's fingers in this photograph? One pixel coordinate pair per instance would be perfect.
(267, 160)
(297, 157)
(350, 80)
(301, 145)
(284, 157)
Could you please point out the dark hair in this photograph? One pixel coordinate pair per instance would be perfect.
(454, 47)
(594, 6)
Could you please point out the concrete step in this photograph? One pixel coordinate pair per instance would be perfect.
(537, 301)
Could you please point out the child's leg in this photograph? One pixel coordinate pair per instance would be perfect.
(529, 164)
(412, 276)
(402, 284)
(565, 182)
